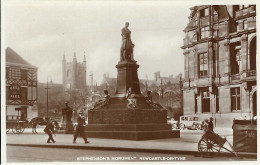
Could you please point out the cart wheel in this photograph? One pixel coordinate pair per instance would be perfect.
(207, 145)
(182, 126)
(18, 129)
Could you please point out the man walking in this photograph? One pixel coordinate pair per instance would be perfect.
(34, 125)
(49, 129)
(211, 125)
(80, 128)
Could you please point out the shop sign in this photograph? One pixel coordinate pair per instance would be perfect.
(15, 92)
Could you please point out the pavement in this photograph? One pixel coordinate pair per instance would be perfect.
(186, 144)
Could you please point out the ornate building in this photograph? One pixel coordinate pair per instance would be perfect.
(220, 63)
(74, 74)
(21, 88)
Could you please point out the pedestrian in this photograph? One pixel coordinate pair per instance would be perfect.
(49, 129)
(206, 125)
(80, 128)
(34, 125)
(211, 125)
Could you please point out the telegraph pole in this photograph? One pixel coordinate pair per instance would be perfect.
(47, 100)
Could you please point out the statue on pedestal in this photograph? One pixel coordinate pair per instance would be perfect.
(66, 113)
(126, 52)
(66, 117)
(103, 102)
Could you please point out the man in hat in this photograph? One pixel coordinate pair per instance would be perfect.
(80, 128)
(49, 129)
(211, 125)
(205, 125)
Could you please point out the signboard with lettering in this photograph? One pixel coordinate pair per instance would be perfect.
(15, 92)
(18, 109)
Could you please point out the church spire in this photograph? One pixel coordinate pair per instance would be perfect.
(64, 59)
(84, 60)
(74, 58)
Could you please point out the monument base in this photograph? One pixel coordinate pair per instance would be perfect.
(131, 131)
(66, 128)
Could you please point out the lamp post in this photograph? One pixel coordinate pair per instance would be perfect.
(47, 100)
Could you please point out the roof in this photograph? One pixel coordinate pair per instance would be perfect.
(108, 81)
(222, 15)
(13, 58)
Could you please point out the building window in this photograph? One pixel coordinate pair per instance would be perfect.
(24, 93)
(203, 64)
(14, 73)
(204, 12)
(235, 99)
(235, 58)
(204, 32)
(205, 101)
(244, 24)
(23, 74)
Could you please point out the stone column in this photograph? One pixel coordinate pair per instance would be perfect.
(186, 67)
(210, 59)
(227, 56)
(244, 55)
(199, 104)
(196, 63)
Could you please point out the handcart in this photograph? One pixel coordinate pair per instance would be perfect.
(212, 143)
(17, 127)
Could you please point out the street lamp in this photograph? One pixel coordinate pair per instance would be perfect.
(47, 100)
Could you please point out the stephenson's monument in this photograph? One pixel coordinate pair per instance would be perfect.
(128, 114)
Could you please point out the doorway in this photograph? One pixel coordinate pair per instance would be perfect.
(205, 101)
(254, 104)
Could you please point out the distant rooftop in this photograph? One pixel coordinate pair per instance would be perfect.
(13, 58)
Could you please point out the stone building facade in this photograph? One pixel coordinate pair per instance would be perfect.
(220, 63)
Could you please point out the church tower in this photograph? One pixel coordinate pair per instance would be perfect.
(74, 73)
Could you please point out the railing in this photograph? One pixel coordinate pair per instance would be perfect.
(250, 73)
(12, 117)
(245, 11)
(235, 77)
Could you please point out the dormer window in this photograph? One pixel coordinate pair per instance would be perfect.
(204, 32)
(243, 6)
(204, 12)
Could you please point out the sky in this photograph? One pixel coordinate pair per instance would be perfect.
(42, 32)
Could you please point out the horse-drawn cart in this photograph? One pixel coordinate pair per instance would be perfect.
(16, 126)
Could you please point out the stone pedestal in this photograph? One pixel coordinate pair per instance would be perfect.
(66, 127)
(131, 131)
(127, 77)
(115, 120)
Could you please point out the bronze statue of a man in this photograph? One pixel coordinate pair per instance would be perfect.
(66, 113)
(126, 52)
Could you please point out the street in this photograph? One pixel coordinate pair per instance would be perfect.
(36, 154)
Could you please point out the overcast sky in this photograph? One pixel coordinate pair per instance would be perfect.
(42, 32)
